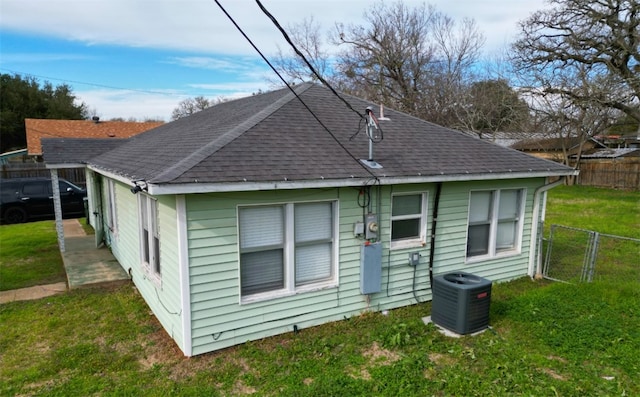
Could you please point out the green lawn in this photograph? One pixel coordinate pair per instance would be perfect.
(29, 255)
(547, 339)
(607, 211)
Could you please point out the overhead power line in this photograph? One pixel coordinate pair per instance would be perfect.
(293, 91)
(301, 55)
(90, 84)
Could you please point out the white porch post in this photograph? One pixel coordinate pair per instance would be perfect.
(57, 207)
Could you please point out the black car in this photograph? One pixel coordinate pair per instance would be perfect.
(23, 199)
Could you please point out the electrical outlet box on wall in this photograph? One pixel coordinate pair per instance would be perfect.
(371, 268)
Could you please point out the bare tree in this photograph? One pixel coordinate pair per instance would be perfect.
(492, 106)
(307, 36)
(414, 59)
(586, 51)
(190, 106)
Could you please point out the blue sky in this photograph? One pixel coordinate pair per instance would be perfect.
(140, 58)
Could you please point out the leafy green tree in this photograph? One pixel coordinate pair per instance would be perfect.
(24, 97)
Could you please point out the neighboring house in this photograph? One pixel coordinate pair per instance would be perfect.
(508, 139)
(554, 148)
(37, 129)
(251, 219)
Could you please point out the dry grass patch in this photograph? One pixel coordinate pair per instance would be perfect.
(375, 356)
(440, 359)
(240, 389)
(380, 356)
(553, 374)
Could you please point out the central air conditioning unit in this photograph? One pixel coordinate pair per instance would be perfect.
(461, 302)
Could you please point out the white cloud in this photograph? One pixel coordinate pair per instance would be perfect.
(200, 26)
(211, 63)
(129, 104)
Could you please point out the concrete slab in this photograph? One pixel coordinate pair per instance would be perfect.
(31, 293)
(86, 264)
(449, 333)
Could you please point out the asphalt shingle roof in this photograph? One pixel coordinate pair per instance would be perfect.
(272, 137)
(38, 129)
(76, 150)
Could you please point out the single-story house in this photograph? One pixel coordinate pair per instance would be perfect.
(277, 212)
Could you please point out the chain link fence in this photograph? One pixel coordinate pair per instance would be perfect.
(578, 255)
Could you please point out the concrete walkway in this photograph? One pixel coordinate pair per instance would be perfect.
(84, 264)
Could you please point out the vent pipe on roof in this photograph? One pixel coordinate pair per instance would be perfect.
(381, 118)
(95, 119)
(373, 132)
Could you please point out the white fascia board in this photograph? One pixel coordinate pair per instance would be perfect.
(190, 188)
(64, 165)
(111, 175)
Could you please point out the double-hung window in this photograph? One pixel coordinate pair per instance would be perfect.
(495, 222)
(150, 238)
(111, 213)
(286, 248)
(408, 219)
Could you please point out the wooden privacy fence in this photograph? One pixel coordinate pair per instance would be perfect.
(616, 174)
(30, 170)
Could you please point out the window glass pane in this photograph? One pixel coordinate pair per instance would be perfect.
(62, 186)
(313, 222)
(478, 240)
(143, 211)
(509, 203)
(33, 188)
(406, 228)
(145, 245)
(506, 235)
(261, 226)
(480, 207)
(153, 216)
(156, 253)
(407, 205)
(261, 271)
(313, 263)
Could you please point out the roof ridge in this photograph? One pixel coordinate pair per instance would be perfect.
(212, 147)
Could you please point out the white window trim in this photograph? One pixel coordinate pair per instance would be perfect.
(112, 215)
(289, 255)
(492, 254)
(414, 242)
(155, 275)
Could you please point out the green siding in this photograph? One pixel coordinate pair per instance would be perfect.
(219, 320)
(163, 299)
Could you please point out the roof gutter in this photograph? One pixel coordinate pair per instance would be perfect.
(537, 219)
(247, 186)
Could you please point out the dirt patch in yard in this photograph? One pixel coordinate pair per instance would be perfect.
(375, 355)
(380, 356)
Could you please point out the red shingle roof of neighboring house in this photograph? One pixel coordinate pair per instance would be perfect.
(45, 128)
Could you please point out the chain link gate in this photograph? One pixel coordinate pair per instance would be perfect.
(579, 255)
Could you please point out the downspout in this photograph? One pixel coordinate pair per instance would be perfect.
(538, 206)
(434, 222)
